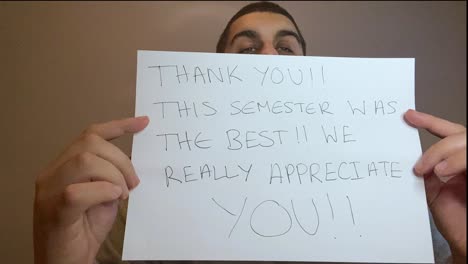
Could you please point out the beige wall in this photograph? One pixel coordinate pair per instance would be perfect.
(65, 65)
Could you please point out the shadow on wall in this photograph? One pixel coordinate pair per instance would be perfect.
(205, 16)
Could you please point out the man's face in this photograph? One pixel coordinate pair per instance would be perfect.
(263, 33)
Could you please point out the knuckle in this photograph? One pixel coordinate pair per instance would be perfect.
(41, 184)
(83, 160)
(89, 139)
(70, 195)
(439, 171)
(429, 157)
(431, 152)
(91, 129)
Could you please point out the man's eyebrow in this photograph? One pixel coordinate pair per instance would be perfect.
(285, 32)
(246, 33)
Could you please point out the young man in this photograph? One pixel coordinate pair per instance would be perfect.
(74, 215)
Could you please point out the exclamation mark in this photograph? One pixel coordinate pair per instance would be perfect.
(305, 133)
(351, 209)
(323, 77)
(195, 110)
(297, 135)
(311, 78)
(331, 208)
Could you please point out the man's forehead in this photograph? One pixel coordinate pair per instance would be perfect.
(261, 22)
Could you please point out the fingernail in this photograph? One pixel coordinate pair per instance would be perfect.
(135, 182)
(418, 168)
(143, 118)
(440, 167)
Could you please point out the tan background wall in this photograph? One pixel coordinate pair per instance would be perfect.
(66, 65)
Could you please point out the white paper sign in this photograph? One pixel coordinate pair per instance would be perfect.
(280, 158)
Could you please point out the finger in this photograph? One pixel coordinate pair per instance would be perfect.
(437, 126)
(79, 197)
(95, 144)
(452, 165)
(108, 151)
(438, 152)
(107, 131)
(451, 194)
(117, 128)
(88, 167)
(432, 184)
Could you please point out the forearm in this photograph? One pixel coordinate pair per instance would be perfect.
(458, 253)
(456, 259)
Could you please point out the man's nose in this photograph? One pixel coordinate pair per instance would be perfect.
(268, 49)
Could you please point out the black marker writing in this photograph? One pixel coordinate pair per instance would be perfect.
(331, 208)
(184, 140)
(281, 208)
(351, 209)
(240, 214)
(299, 223)
(333, 136)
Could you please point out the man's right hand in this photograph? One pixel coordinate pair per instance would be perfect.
(77, 195)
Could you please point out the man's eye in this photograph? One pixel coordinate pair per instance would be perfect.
(248, 50)
(284, 50)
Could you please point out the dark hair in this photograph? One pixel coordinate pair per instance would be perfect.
(257, 7)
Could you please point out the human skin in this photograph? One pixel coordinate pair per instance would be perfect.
(443, 167)
(77, 194)
(268, 38)
(446, 158)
